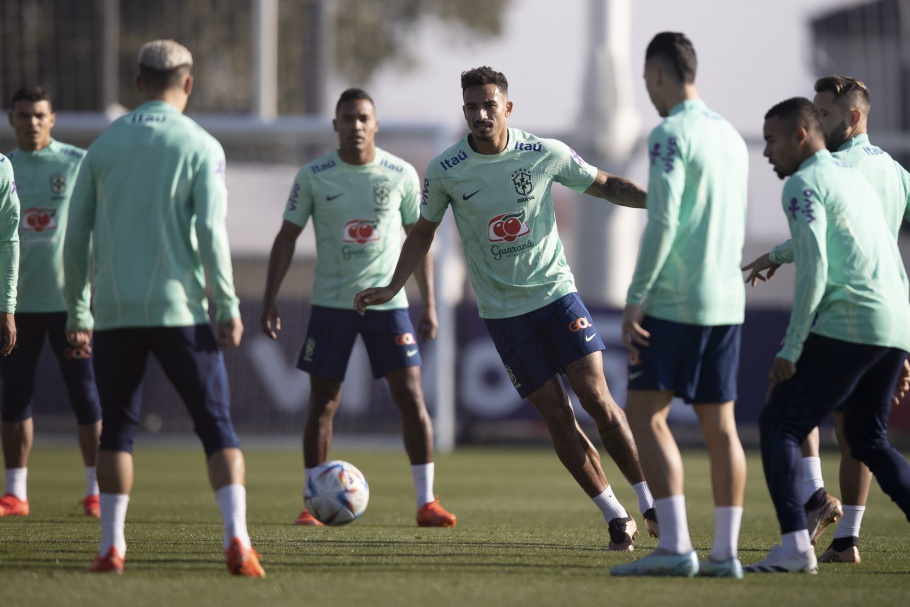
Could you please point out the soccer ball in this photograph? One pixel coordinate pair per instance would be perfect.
(336, 493)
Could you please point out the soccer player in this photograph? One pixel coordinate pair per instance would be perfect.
(844, 105)
(497, 181)
(151, 198)
(9, 256)
(685, 308)
(46, 171)
(359, 197)
(849, 329)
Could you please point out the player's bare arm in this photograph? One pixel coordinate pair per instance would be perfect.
(279, 262)
(756, 267)
(618, 190)
(413, 251)
(429, 323)
(230, 333)
(634, 336)
(782, 370)
(8, 329)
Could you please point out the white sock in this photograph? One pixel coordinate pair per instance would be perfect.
(232, 504)
(609, 505)
(811, 478)
(645, 499)
(850, 522)
(423, 482)
(674, 525)
(91, 481)
(727, 521)
(16, 481)
(113, 520)
(796, 542)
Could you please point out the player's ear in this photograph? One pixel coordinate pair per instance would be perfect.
(188, 85)
(801, 135)
(855, 116)
(508, 108)
(140, 86)
(334, 125)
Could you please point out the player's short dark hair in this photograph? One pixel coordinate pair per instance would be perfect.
(848, 92)
(480, 76)
(159, 80)
(353, 94)
(30, 93)
(799, 111)
(677, 51)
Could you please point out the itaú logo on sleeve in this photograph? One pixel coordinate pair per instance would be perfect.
(360, 231)
(38, 219)
(507, 227)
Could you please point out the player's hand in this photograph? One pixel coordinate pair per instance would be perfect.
(229, 333)
(758, 266)
(7, 332)
(79, 339)
(633, 335)
(903, 384)
(429, 324)
(270, 317)
(372, 297)
(781, 370)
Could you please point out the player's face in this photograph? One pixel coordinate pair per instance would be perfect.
(781, 146)
(356, 125)
(32, 121)
(486, 109)
(835, 120)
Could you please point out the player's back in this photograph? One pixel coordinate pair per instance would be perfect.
(865, 299)
(699, 181)
(151, 175)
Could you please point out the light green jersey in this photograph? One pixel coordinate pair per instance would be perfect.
(504, 212)
(9, 237)
(688, 268)
(358, 212)
(889, 179)
(45, 180)
(849, 279)
(151, 197)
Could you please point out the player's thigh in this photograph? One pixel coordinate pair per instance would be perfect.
(389, 339)
(119, 358)
(192, 361)
(670, 362)
(528, 361)
(77, 370)
(715, 380)
(18, 369)
(570, 335)
(330, 337)
(868, 407)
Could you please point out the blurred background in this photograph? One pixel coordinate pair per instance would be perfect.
(268, 73)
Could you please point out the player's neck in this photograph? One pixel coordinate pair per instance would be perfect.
(489, 148)
(34, 146)
(683, 93)
(355, 156)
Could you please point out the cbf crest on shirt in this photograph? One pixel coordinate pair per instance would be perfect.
(358, 212)
(503, 208)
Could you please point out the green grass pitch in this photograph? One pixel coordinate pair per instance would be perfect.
(526, 535)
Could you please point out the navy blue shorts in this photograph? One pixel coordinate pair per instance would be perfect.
(387, 334)
(698, 363)
(18, 369)
(192, 362)
(537, 345)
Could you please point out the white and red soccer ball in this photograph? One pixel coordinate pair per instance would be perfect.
(336, 493)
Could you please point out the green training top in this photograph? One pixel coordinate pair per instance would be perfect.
(504, 212)
(688, 268)
(849, 279)
(152, 198)
(45, 180)
(889, 179)
(9, 237)
(358, 212)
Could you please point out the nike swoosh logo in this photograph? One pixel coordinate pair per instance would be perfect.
(330, 198)
(636, 375)
(590, 337)
(466, 196)
(411, 353)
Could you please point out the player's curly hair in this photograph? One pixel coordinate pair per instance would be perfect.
(30, 93)
(480, 76)
(800, 112)
(353, 94)
(848, 92)
(677, 51)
